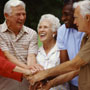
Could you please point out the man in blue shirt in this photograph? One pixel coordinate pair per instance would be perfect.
(69, 39)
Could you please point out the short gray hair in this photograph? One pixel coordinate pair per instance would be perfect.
(52, 19)
(14, 3)
(84, 7)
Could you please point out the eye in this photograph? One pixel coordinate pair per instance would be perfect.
(46, 27)
(39, 27)
(23, 14)
(67, 14)
(17, 14)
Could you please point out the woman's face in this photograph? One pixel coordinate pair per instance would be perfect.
(45, 31)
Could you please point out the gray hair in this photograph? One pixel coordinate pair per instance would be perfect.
(84, 7)
(12, 3)
(52, 19)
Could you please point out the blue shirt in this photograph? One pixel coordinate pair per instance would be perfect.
(69, 39)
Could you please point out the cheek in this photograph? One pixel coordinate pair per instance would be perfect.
(38, 31)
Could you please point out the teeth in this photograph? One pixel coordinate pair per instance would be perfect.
(42, 34)
(66, 22)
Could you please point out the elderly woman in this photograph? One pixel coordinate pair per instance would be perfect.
(48, 53)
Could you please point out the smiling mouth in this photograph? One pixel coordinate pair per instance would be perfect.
(42, 34)
(66, 22)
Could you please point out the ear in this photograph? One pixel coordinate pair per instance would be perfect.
(87, 17)
(6, 15)
(55, 33)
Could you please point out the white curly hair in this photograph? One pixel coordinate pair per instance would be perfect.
(52, 19)
(84, 7)
(12, 3)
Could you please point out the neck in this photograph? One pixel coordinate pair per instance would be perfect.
(15, 31)
(88, 29)
(49, 45)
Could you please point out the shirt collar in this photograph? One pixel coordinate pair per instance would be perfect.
(5, 28)
(54, 49)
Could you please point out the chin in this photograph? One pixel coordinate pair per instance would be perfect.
(67, 26)
(19, 28)
(80, 30)
(41, 40)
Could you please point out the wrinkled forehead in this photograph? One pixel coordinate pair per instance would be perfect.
(19, 7)
(45, 22)
(77, 11)
(67, 7)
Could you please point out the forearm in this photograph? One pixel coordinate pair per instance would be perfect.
(63, 78)
(58, 70)
(63, 56)
(31, 60)
(33, 65)
(14, 60)
(65, 67)
(52, 72)
(22, 70)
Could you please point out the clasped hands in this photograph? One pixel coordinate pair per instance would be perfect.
(29, 75)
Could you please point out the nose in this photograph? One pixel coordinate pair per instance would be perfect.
(74, 21)
(63, 18)
(22, 16)
(40, 29)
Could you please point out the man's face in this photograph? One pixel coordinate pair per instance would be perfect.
(80, 21)
(67, 16)
(16, 18)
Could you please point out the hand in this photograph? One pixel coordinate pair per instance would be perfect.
(28, 72)
(46, 86)
(37, 77)
(38, 85)
(36, 68)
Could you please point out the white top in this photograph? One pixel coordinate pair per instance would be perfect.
(50, 60)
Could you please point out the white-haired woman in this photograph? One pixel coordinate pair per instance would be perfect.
(48, 53)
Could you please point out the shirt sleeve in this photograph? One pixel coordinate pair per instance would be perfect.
(3, 44)
(84, 52)
(13, 75)
(61, 38)
(33, 47)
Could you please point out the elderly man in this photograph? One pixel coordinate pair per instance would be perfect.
(70, 69)
(18, 42)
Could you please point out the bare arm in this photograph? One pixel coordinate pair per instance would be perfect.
(65, 67)
(22, 70)
(31, 60)
(61, 79)
(63, 56)
(32, 63)
(14, 59)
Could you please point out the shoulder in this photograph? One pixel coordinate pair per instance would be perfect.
(62, 28)
(30, 31)
(61, 32)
